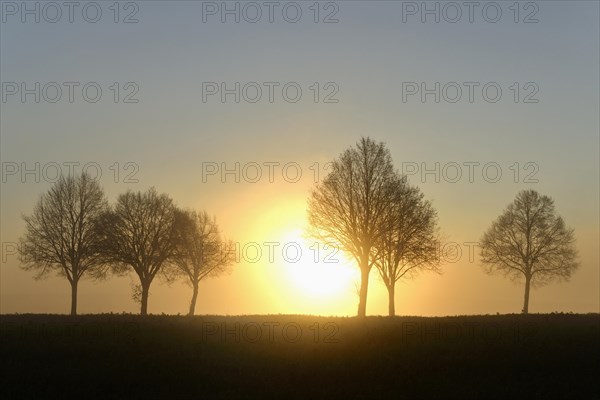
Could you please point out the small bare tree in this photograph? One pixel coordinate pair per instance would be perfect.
(139, 233)
(61, 233)
(411, 245)
(529, 240)
(349, 207)
(201, 252)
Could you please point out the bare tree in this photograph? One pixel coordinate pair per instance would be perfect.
(529, 240)
(61, 232)
(411, 245)
(349, 207)
(201, 252)
(139, 233)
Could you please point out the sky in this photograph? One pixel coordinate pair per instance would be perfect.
(240, 118)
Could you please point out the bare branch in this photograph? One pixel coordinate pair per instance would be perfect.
(61, 233)
(529, 240)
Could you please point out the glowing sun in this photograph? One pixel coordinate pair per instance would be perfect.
(316, 269)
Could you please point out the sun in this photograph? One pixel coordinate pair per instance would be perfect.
(305, 276)
(316, 269)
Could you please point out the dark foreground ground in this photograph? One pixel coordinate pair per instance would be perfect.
(300, 357)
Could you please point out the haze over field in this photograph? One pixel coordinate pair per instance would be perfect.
(252, 164)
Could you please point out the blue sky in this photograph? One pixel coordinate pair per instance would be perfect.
(367, 55)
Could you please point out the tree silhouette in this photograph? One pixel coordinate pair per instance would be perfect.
(348, 207)
(200, 250)
(529, 240)
(412, 243)
(139, 233)
(61, 234)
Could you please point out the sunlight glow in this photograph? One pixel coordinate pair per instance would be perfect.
(321, 271)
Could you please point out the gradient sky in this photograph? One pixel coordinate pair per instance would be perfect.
(369, 53)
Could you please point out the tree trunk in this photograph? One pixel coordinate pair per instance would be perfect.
(194, 297)
(364, 287)
(391, 304)
(526, 300)
(74, 297)
(145, 290)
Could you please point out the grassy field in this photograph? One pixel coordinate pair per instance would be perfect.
(300, 357)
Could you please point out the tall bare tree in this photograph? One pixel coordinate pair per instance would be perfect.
(348, 207)
(61, 232)
(139, 233)
(529, 240)
(411, 245)
(201, 252)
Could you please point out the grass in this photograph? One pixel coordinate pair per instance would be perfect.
(538, 356)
